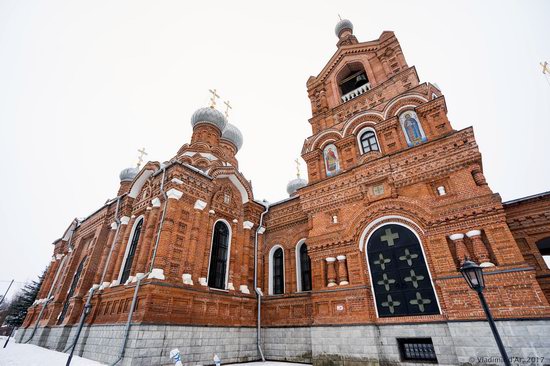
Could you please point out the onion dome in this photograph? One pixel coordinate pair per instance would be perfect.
(128, 174)
(342, 25)
(295, 184)
(209, 115)
(233, 135)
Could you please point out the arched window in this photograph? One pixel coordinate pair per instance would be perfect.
(303, 267)
(278, 272)
(544, 248)
(368, 141)
(70, 293)
(399, 274)
(131, 251)
(217, 273)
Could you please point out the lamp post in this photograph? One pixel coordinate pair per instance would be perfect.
(473, 274)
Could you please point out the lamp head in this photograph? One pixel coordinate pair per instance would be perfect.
(473, 274)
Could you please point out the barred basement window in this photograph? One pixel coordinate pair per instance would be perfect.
(417, 349)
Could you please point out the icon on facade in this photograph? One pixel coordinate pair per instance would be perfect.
(412, 128)
(332, 164)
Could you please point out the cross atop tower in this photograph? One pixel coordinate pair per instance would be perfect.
(227, 108)
(142, 153)
(545, 68)
(213, 98)
(297, 161)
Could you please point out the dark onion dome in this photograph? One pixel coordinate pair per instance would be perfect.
(209, 115)
(341, 25)
(233, 135)
(128, 174)
(295, 184)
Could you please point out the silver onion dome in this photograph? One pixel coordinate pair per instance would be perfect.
(128, 174)
(209, 115)
(341, 25)
(233, 135)
(295, 184)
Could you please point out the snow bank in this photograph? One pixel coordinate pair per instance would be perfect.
(16, 354)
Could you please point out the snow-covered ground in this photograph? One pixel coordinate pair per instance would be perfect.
(16, 354)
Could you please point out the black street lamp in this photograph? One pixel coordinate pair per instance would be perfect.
(473, 274)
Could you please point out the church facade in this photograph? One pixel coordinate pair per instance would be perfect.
(359, 265)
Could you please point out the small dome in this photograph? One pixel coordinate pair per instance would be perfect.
(234, 135)
(341, 25)
(295, 184)
(209, 115)
(128, 174)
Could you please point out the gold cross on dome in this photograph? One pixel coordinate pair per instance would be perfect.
(545, 68)
(297, 161)
(227, 108)
(142, 153)
(214, 97)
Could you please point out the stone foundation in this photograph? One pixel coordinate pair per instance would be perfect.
(151, 344)
(455, 343)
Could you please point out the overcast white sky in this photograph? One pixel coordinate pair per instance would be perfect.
(84, 84)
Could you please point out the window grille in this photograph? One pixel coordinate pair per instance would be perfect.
(417, 349)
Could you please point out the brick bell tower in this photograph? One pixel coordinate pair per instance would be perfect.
(364, 82)
(394, 203)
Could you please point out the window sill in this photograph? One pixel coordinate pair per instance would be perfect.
(218, 289)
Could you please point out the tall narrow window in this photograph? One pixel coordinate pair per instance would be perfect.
(278, 272)
(368, 141)
(544, 248)
(218, 258)
(305, 269)
(131, 252)
(70, 293)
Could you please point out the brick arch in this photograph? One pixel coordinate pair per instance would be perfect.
(142, 177)
(393, 106)
(217, 202)
(324, 138)
(236, 178)
(280, 239)
(200, 162)
(408, 211)
(186, 160)
(361, 120)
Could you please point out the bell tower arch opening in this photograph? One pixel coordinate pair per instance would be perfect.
(352, 81)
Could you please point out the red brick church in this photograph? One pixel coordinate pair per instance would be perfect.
(359, 265)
